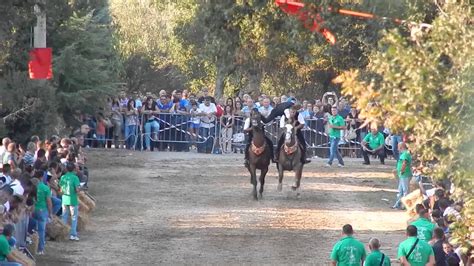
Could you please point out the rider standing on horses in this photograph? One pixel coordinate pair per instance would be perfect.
(298, 122)
(248, 129)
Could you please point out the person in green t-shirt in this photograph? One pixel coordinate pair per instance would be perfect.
(43, 210)
(5, 249)
(404, 173)
(69, 187)
(376, 258)
(415, 252)
(424, 226)
(335, 123)
(373, 144)
(348, 250)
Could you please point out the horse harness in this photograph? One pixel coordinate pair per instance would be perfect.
(258, 150)
(292, 149)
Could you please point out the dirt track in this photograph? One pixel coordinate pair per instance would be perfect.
(188, 208)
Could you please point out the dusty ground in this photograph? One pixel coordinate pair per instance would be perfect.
(187, 208)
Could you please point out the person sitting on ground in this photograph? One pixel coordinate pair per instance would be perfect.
(418, 208)
(5, 179)
(298, 121)
(348, 250)
(3, 148)
(437, 244)
(415, 252)
(40, 160)
(248, 129)
(29, 158)
(374, 144)
(404, 173)
(376, 258)
(424, 226)
(449, 212)
(452, 259)
(16, 184)
(12, 156)
(5, 248)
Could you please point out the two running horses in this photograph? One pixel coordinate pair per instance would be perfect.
(260, 155)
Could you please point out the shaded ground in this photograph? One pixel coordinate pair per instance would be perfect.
(187, 208)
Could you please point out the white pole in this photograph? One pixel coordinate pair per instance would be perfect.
(40, 28)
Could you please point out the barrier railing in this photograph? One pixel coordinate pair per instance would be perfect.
(180, 132)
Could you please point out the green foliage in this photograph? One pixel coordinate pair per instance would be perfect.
(85, 69)
(425, 87)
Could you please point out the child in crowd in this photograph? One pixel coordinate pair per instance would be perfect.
(195, 121)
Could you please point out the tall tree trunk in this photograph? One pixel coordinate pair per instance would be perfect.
(255, 80)
(219, 90)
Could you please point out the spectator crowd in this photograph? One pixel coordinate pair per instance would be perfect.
(180, 121)
(40, 180)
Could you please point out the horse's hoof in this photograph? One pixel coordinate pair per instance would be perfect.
(260, 196)
(293, 188)
(255, 195)
(279, 188)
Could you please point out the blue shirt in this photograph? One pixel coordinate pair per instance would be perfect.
(138, 103)
(165, 106)
(246, 110)
(183, 104)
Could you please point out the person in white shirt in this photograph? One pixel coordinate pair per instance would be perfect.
(5, 179)
(265, 109)
(3, 148)
(208, 118)
(300, 123)
(15, 184)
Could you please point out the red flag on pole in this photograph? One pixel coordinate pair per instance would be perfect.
(40, 66)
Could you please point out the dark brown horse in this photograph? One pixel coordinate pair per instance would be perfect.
(290, 158)
(259, 153)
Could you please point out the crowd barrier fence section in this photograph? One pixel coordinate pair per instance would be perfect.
(180, 132)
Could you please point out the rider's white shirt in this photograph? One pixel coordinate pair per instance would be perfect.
(287, 114)
(247, 123)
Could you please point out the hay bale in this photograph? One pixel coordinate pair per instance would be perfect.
(82, 221)
(411, 200)
(87, 200)
(22, 258)
(33, 247)
(83, 207)
(57, 230)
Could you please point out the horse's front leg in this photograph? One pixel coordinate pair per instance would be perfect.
(263, 173)
(280, 177)
(298, 174)
(253, 179)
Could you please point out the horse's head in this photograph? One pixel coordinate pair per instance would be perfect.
(289, 133)
(255, 118)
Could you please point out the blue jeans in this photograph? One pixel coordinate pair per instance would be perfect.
(403, 187)
(333, 150)
(395, 140)
(130, 135)
(41, 217)
(7, 263)
(56, 205)
(150, 127)
(72, 211)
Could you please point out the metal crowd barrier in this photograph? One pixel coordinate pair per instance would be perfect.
(175, 132)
